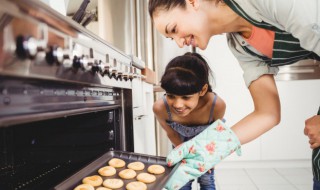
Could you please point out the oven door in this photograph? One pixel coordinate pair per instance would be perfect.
(39, 155)
(51, 129)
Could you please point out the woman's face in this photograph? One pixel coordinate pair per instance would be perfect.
(182, 105)
(187, 26)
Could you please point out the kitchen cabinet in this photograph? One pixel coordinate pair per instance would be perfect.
(137, 97)
(143, 118)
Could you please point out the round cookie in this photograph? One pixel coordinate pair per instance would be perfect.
(156, 169)
(113, 183)
(94, 180)
(127, 174)
(84, 187)
(107, 171)
(136, 185)
(136, 166)
(103, 188)
(146, 177)
(117, 163)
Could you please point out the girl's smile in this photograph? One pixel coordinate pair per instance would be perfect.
(180, 111)
(183, 105)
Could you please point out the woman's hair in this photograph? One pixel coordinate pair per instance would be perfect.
(165, 5)
(155, 5)
(186, 74)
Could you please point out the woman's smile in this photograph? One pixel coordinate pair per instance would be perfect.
(190, 41)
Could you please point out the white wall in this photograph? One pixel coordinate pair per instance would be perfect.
(299, 100)
(58, 5)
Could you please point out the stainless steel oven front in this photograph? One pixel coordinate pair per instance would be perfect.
(65, 96)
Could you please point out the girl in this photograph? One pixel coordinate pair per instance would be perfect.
(262, 34)
(189, 105)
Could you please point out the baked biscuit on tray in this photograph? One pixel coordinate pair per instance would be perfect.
(146, 177)
(107, 171)
(127, 174)
(156, 169)
(113, 183)
(94, 180)
(117, 163)
(102, 188)
(136, 166)
(84, 187)
(136, 185)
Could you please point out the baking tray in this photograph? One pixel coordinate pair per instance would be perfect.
(92, 169)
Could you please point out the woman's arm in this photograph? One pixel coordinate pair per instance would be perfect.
(159, 112)
(266, 112)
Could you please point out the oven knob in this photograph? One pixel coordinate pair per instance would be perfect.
(125, 77)
(105, 67)
(119, 76)
(106, 71)
(86, 63)
(66, 61)
(125, 74)
(114, 69)
(96, 67)
(113, 74)
(20, 51)
(26, 47)
(76, 63)
(54, 55)
(131, 70)
(134, 73)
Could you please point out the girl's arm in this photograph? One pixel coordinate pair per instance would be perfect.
(219, 109)
(159, 112)
(266, 112)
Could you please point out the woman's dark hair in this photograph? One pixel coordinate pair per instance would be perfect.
(186, 74)
(164, 4)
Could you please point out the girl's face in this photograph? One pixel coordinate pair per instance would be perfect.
(183, 105)
(187, 26)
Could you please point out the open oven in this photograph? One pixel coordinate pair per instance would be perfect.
(65, 97)
(51, 130)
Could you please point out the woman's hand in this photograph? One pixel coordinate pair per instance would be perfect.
(201, 154)
(312, 130)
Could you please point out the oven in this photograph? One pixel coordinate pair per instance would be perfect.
(65, 97)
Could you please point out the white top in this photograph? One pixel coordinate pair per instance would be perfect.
(298, 17)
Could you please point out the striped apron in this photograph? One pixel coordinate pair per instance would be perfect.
(286, 50)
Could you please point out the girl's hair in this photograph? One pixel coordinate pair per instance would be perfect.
(186, 74)
(164, 4)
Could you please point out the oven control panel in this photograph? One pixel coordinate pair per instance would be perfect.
(40, 43)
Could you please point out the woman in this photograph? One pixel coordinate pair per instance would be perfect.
(262, 34)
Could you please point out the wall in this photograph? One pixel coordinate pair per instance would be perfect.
(299, 100)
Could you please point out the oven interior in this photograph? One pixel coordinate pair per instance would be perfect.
(40, 154)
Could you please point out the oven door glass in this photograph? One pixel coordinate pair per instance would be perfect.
(41, 154)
